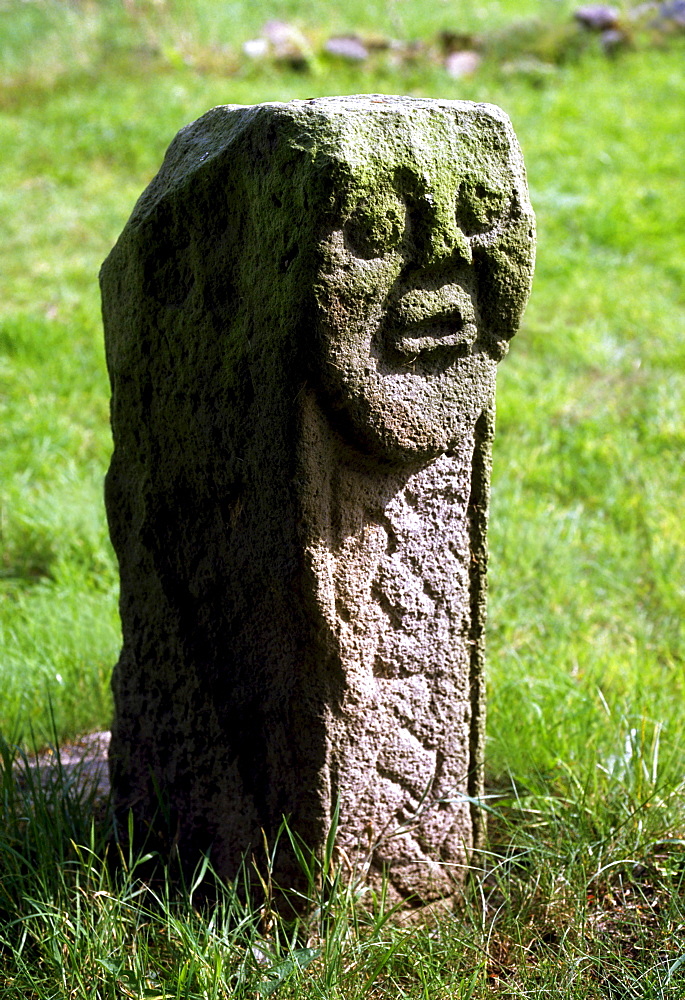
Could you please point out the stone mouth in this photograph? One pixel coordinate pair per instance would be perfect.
(435, 333)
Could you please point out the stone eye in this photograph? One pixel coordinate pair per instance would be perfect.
(373, 231)
(478, 209)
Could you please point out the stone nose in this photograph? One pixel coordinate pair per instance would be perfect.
(437, 239)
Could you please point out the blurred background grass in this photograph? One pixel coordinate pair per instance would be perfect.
(587, 538)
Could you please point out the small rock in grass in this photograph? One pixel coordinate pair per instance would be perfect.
(460, 64)
(614, 40)
(287, 44)
(673, 10)
(348, 47)
(597, 16)
(81, 762)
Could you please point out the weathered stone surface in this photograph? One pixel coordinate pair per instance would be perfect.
(303, 318)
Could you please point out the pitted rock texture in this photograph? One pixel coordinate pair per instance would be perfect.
(303, 320)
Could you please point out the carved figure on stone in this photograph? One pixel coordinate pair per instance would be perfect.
(421, 282)
(303, 319)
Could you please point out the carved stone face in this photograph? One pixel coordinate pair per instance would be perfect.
(423, 277)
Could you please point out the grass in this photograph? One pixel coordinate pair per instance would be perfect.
(581, 891)
(579, 895)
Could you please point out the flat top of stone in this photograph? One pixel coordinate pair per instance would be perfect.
(377, 103)
(211, 135)
(373, 105)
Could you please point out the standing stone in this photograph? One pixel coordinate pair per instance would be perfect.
(303, 318)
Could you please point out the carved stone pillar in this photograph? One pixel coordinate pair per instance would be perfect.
(303, 319)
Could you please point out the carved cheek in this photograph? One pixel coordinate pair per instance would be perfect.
(504, 274)
(352, 291)
(343, 337)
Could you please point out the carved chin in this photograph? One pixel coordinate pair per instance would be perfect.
(408, 418)
(393, 435)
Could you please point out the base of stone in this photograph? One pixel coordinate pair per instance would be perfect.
(84, 766)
